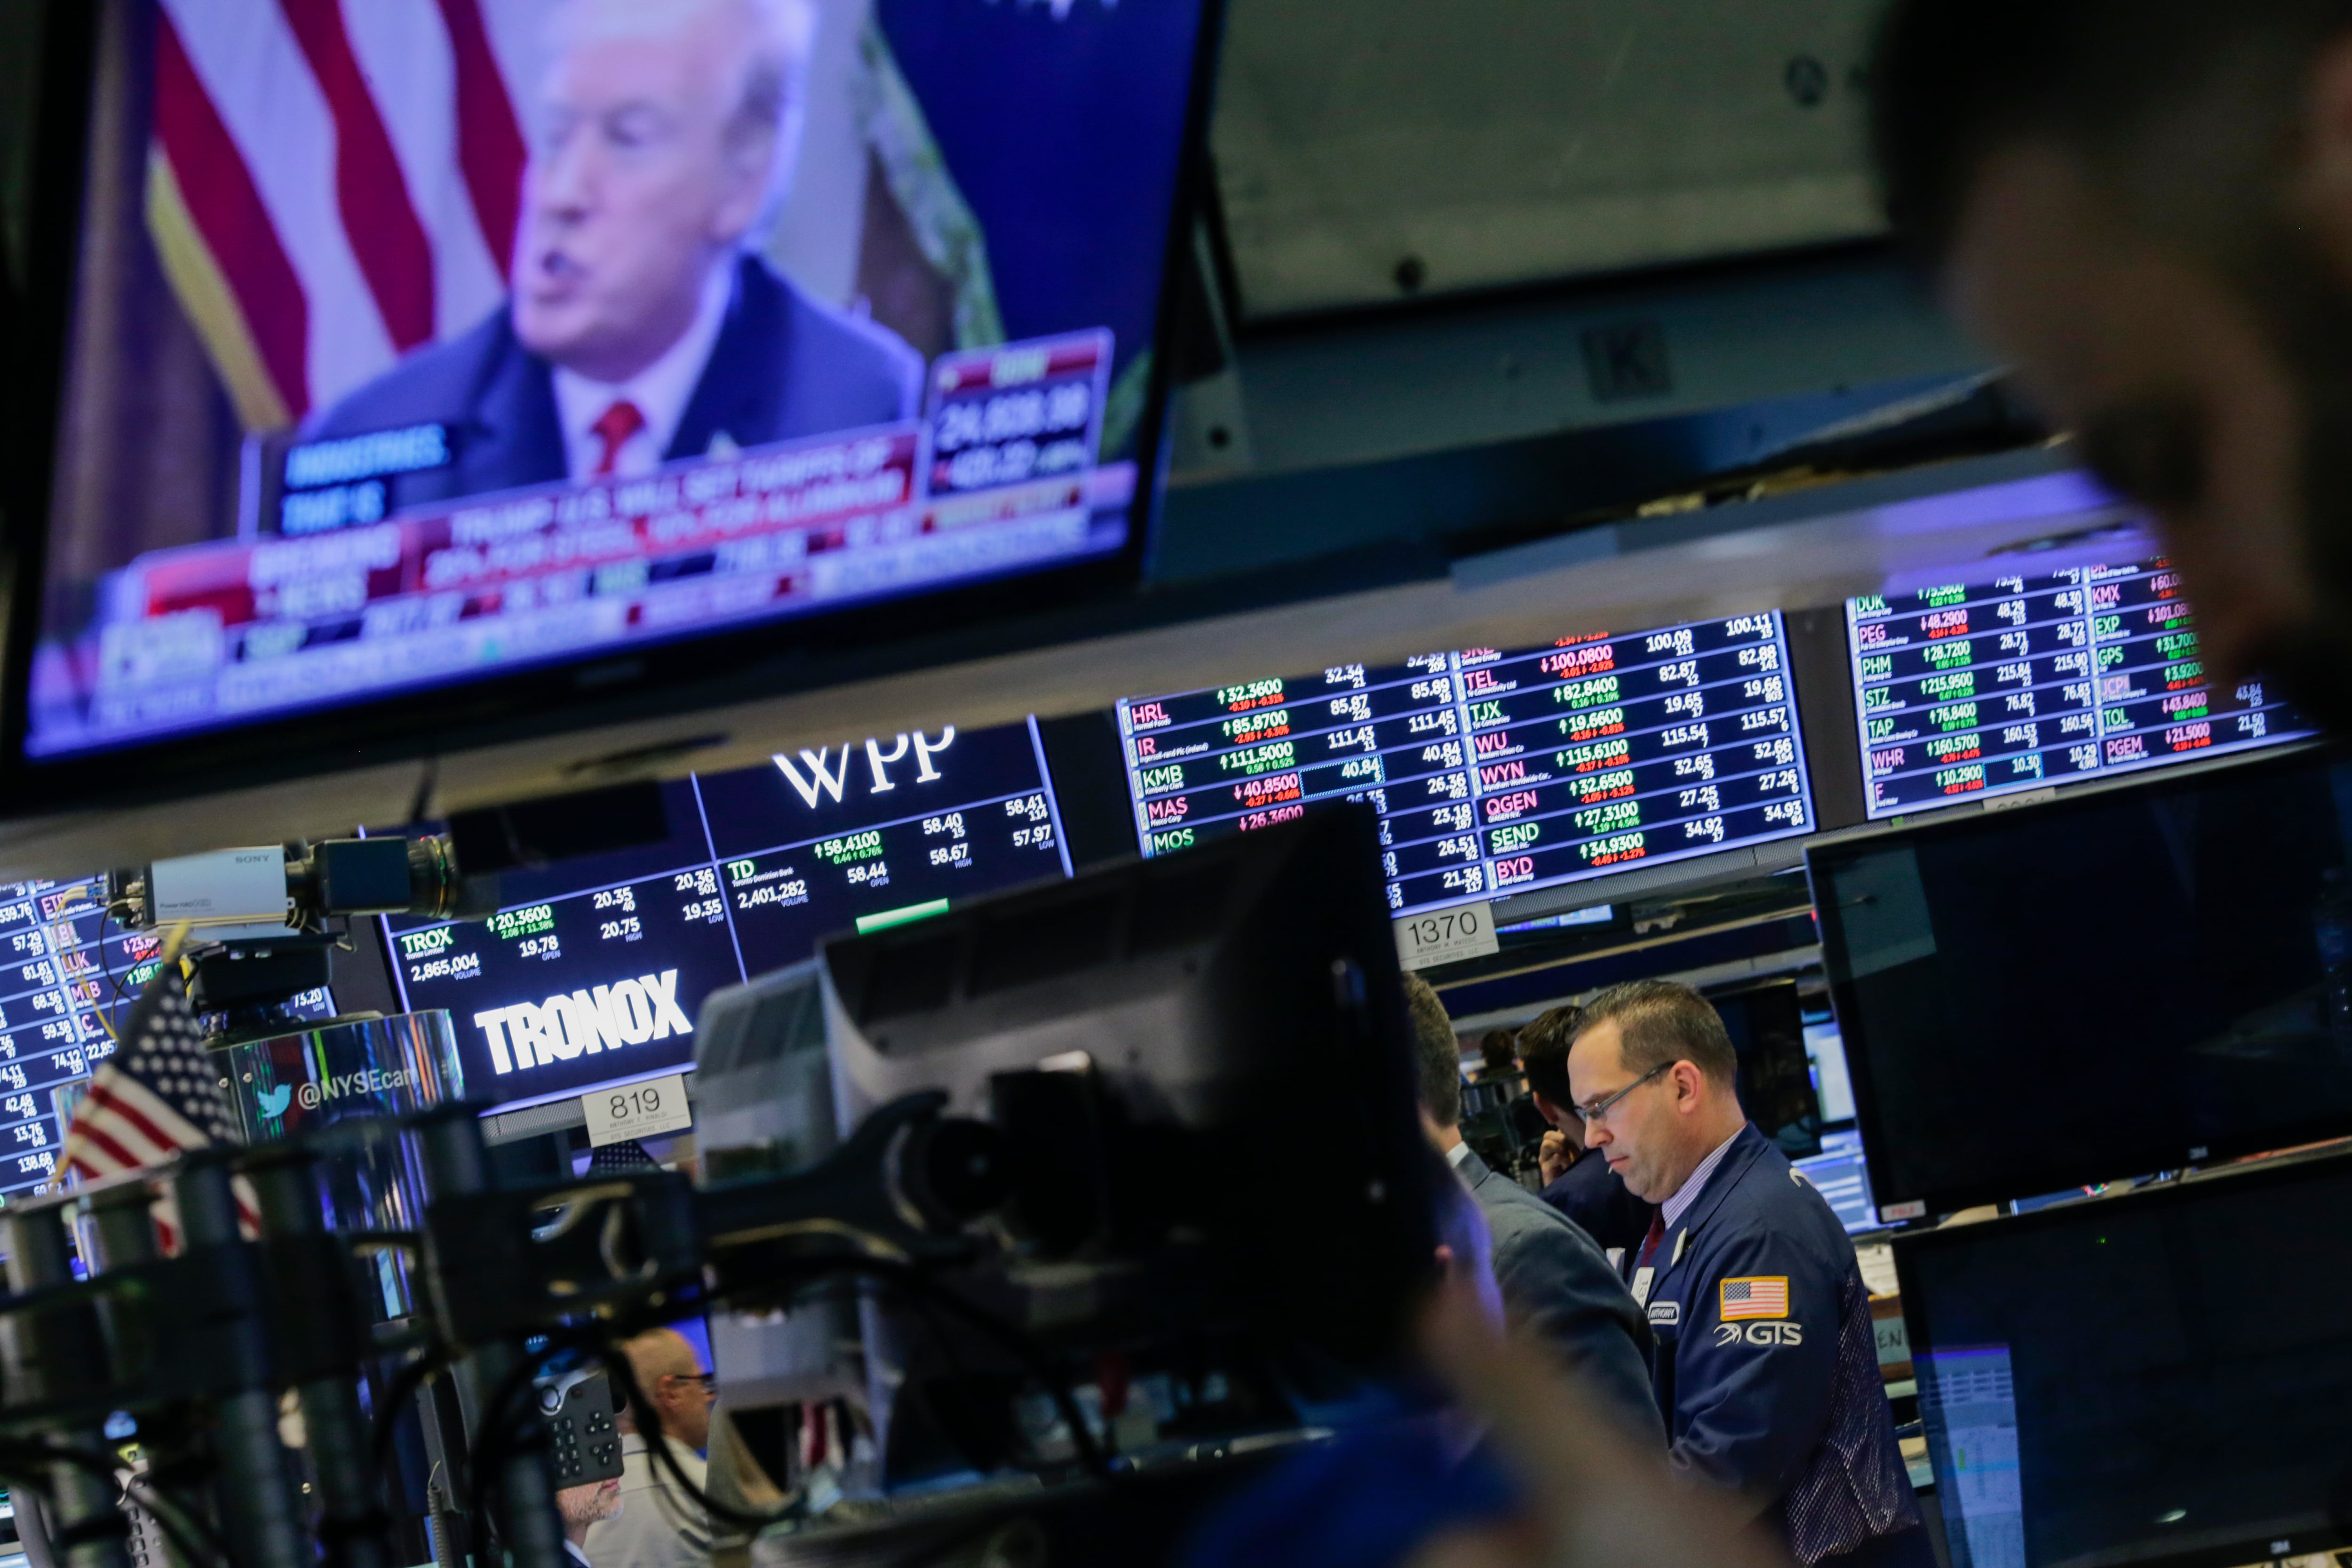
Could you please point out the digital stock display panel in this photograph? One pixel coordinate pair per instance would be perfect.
(59, 971)
(593, 971)
(1493, 772)
(68, 981)
(2026, 681)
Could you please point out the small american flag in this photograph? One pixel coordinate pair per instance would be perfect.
(160, 1092)
(1758, 1296)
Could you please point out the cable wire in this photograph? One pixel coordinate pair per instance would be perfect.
(194, 1539)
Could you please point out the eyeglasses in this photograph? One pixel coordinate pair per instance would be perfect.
(705, 1380)
(1598, 1109)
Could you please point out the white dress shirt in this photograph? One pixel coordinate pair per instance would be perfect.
(1670, 1212)
(661, 390)
(1455, 1155)
(658, 1526)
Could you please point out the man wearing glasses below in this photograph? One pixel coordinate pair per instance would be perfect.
(660, 1525)
(1765, 1365)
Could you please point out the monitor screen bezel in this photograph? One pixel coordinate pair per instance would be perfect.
(579, 692)
(1909, 1246)
(2136, 1159)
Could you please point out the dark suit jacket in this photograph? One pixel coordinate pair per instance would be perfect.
(782, 365)
(1554, 1276)
(1591, 1195)
(1767, 1362)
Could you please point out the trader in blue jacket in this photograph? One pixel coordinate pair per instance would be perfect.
(1765, 1365)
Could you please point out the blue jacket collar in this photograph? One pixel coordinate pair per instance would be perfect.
(1747, 1147)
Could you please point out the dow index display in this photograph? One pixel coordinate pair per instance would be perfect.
(1493, 772)
(2024, 682)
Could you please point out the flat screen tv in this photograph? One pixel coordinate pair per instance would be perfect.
(417, 372)
(2135, 978)
(2101, 1386)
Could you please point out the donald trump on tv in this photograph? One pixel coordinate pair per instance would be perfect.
(639, 326)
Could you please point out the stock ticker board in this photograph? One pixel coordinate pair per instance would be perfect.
(1495, 773)
(64, 976)
(2023, 682)
(594, 970)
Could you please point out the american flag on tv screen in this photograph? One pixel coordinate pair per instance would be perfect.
(333, 182)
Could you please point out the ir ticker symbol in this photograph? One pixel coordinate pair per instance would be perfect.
(273, 1100)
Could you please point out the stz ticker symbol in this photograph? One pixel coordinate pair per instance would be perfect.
(824, 781)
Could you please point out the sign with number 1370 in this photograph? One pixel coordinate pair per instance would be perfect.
(1446, 936)
(636, 1110)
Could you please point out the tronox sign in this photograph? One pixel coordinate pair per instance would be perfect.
(567, 1026)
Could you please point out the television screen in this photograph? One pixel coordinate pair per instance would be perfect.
(593, 971)
(2132, 979)
(2100, 1386)
(2023, 682)
(1495, 773)
(423, 344)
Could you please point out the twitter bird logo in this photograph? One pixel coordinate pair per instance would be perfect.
(274, 1100)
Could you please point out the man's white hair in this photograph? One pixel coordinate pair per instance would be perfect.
(773, 90)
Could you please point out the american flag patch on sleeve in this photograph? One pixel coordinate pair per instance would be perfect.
(1757, 1296)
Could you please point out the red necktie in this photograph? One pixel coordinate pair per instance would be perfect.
(614, 428)
(1650, 1242)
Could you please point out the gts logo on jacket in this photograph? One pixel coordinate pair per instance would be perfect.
(563, 1027)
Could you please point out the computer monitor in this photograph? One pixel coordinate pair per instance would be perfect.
(592, 972)
(1165, 1046)
(406, 349)
(1767, 1026)
(1495, 773)
(1841, 1175)
(1825, 1048)
(2135, 978)
(2103, 1383)
(2020, 681)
